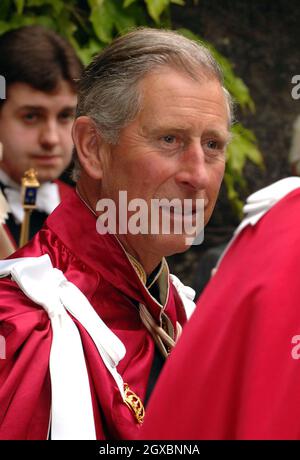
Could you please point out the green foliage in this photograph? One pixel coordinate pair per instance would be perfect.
(243, 147)
(235, 85)
(91, 24)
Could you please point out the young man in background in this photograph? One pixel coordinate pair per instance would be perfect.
(40, 70)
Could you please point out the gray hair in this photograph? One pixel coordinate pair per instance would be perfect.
(108, 90)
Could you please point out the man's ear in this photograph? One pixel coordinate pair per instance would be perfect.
(89, 146)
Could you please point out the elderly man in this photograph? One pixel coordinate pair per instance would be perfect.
(36, 118)
(98, 312)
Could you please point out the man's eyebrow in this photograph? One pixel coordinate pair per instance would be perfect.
(31, 107)
(225, 136)
(161, 128)
(70, 108)
(67, 108)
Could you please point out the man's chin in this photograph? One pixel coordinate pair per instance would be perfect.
(48, 174)
(175, 244)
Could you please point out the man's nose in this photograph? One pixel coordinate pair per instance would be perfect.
(193, 172)
(49, 134)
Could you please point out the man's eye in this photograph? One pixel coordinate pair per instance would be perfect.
(169, 139)
(66, 116)
(215, 149)
(212, 144)
(30, 117)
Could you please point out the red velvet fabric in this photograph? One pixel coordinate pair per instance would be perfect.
(235, 373)
(99, 267)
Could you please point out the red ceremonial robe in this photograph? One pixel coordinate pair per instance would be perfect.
(99, 267)
(235, 373)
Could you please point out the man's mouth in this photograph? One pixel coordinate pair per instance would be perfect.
(45, 159)
(186, 209)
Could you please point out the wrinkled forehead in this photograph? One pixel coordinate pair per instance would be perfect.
(167, 91)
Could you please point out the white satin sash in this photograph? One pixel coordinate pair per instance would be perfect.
(72, 411)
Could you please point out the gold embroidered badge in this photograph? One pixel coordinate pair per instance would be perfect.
(134, 403)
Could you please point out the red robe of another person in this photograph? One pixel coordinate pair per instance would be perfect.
(235, 373)
(99, 267)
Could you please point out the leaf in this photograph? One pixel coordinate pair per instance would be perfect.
(156, 7)
(236, 202)
(236, 156)
(45, 21)
(31, 3)
(178, 2)
(102, 20)
(123, 23)
(4, 27)
(17, 21)
(64, 25)
(123, 20)
(231, 192)
(138, 13)
(57, 5)
(246, 143)
(127, 3)
(20, 6)
(95, 3)
(87, 52)
(242, 148)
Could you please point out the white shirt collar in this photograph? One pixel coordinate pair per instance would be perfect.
(47, 197)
